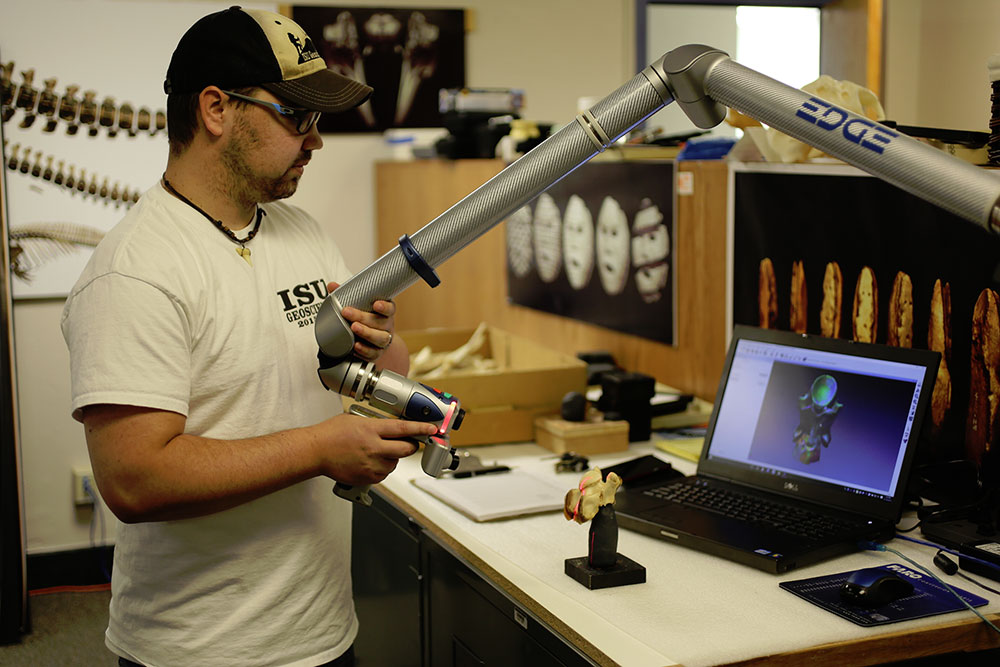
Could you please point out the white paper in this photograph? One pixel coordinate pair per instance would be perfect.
(496, 495)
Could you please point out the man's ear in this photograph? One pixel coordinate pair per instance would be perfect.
(212, 107)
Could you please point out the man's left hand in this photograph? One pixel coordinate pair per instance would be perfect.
(373, 331)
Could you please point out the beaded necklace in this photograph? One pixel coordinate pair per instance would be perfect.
(242, 250)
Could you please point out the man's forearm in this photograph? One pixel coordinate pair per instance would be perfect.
(396, 357)
(189, 475)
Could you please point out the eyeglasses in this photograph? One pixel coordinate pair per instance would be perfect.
(304, 119)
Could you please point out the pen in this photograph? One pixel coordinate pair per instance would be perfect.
(481, 471)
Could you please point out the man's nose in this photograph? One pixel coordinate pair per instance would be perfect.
(313, 140)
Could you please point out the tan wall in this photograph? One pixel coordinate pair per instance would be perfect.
(474, 282)
(935, 68)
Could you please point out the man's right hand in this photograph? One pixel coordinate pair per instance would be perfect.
(148, 469)
(362, 450)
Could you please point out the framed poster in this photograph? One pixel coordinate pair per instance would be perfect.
(830, 250)
(598, 246)
(407, 55)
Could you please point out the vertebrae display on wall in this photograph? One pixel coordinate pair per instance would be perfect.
(76, 112)
(33, 245)
(38, 165)
(32, 109)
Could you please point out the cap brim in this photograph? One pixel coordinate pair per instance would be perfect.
(324, 91)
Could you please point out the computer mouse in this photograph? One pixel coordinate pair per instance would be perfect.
(874, 587)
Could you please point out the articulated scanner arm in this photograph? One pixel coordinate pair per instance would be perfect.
(703, 81)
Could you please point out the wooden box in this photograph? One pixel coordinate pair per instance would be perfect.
(594, 435)
(501, 405)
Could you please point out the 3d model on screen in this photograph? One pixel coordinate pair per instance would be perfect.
(817, 410)
(578, 242)
(650, 248)
(613, 240)
(547, 236)
(519, 252)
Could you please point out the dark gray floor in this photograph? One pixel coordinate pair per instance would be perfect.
(67, 630)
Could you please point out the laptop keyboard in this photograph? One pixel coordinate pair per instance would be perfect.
(752, 509)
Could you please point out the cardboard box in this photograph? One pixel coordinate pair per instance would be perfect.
(501, 405)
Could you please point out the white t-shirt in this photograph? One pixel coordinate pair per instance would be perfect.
(167, 315)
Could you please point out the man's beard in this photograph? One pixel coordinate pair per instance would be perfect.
(247, 186)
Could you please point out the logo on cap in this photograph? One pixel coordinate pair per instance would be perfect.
(306, 51)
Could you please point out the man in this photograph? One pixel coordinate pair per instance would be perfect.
(194, 372)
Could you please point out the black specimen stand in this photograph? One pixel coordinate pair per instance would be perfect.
(603, 566)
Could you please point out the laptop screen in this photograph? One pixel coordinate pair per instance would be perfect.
(824, 420)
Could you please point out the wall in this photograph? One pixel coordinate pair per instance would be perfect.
(670, 26)
(556, 51)
(935, 62)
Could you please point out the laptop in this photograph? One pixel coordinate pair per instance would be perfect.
(807, 452)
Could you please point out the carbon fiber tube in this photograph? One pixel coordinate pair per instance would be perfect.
(489, 205)
(704, 81)
(956, 186)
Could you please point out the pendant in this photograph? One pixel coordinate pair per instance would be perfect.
(244, 253)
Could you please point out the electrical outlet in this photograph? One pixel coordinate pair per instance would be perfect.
(82, 479)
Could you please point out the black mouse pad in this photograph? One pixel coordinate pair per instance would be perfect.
(929, 597)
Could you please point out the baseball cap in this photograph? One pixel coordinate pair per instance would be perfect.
(240, 47)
